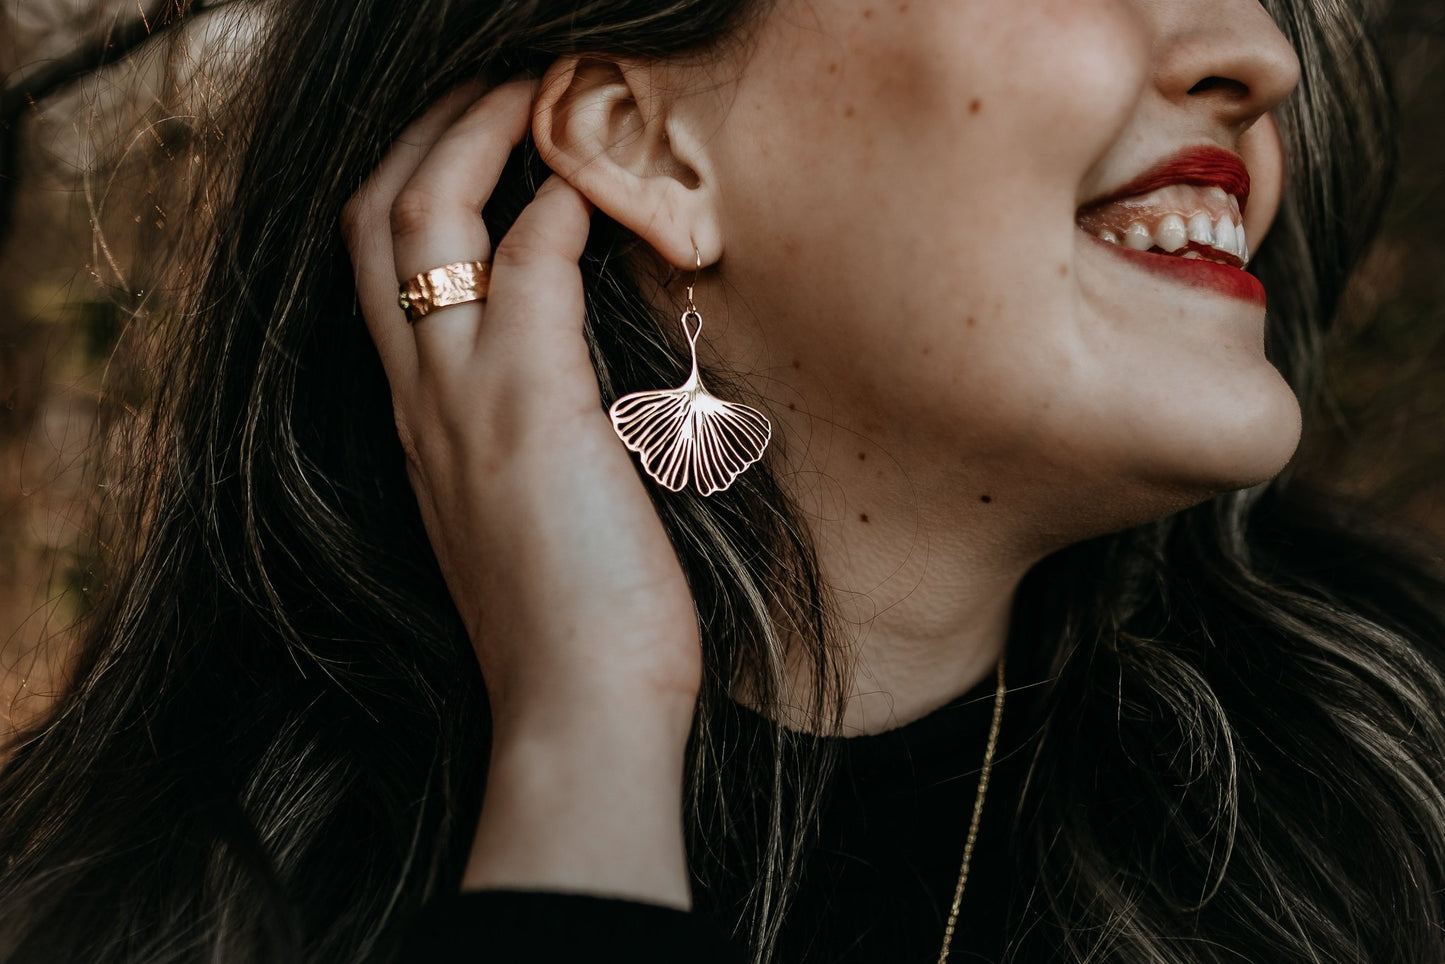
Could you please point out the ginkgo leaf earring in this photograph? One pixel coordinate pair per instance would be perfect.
(688, 434)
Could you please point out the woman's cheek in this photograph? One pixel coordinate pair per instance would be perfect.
(1263, 151)
(1082, 69)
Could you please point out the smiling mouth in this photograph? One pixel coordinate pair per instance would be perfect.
(1188, 233)
(1183, 220)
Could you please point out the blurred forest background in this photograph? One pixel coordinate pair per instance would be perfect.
(103, 123)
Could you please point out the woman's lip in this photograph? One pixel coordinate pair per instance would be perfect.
(1196, 272)
(1205, 166)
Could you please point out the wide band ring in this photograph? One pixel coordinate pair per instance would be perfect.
(451, 284)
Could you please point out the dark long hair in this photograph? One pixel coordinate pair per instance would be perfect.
(274, 741)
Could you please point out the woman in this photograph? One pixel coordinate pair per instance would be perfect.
(1006, 648)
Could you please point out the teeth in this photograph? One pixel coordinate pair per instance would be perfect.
(1227, 238)
(1173, 220)
(1192, 256)
(1171, 234)
(1200, 230)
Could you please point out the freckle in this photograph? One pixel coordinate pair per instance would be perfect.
(862, 456)
(863, 518)
(970, 321)
(848, 111)
(797, 365)
(985, 498)
(832, 68)
(903, 8)
(792, 407)
(867, 13)
(1063, 271)
(974, 105)
(927, 350)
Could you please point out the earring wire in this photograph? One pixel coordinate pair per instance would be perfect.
(696, 271)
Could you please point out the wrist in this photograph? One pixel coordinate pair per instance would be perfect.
(596, 716)
(589, 804)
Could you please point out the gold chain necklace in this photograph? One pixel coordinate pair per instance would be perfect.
(977, 813)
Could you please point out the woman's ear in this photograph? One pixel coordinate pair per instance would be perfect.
(607, 127)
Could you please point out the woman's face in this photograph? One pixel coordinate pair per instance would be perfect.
(898, 187)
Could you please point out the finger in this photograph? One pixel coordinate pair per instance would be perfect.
(436, 218)
(536, 307)
(366, 228)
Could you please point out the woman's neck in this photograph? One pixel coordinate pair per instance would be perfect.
(921, 570)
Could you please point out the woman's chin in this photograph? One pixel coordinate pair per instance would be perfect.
(1249, 447)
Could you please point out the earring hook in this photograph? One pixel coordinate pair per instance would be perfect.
(696, 271)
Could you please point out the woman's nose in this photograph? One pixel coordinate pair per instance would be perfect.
(1226, 57)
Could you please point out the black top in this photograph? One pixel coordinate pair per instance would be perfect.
(878, 879)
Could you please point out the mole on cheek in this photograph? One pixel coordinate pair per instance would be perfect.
(863, 518)
(974, 105)
(832, 68)
(970, 321)
(985, 498)
(867, 13)
(862, 456)
(848, 111)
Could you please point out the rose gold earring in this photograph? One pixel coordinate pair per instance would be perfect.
(686, 433)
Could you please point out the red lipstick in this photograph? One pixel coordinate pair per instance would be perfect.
(1208, 275)
(1203, 166)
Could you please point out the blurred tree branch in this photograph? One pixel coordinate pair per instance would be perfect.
(117, 41)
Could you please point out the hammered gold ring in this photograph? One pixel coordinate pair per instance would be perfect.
(451, 284)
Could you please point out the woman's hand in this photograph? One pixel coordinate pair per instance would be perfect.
(576, 604)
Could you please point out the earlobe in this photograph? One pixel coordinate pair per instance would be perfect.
(603, 127)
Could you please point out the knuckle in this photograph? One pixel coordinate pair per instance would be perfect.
(523, 245)
(412, 212)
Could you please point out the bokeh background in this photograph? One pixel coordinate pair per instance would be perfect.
(104, 123)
